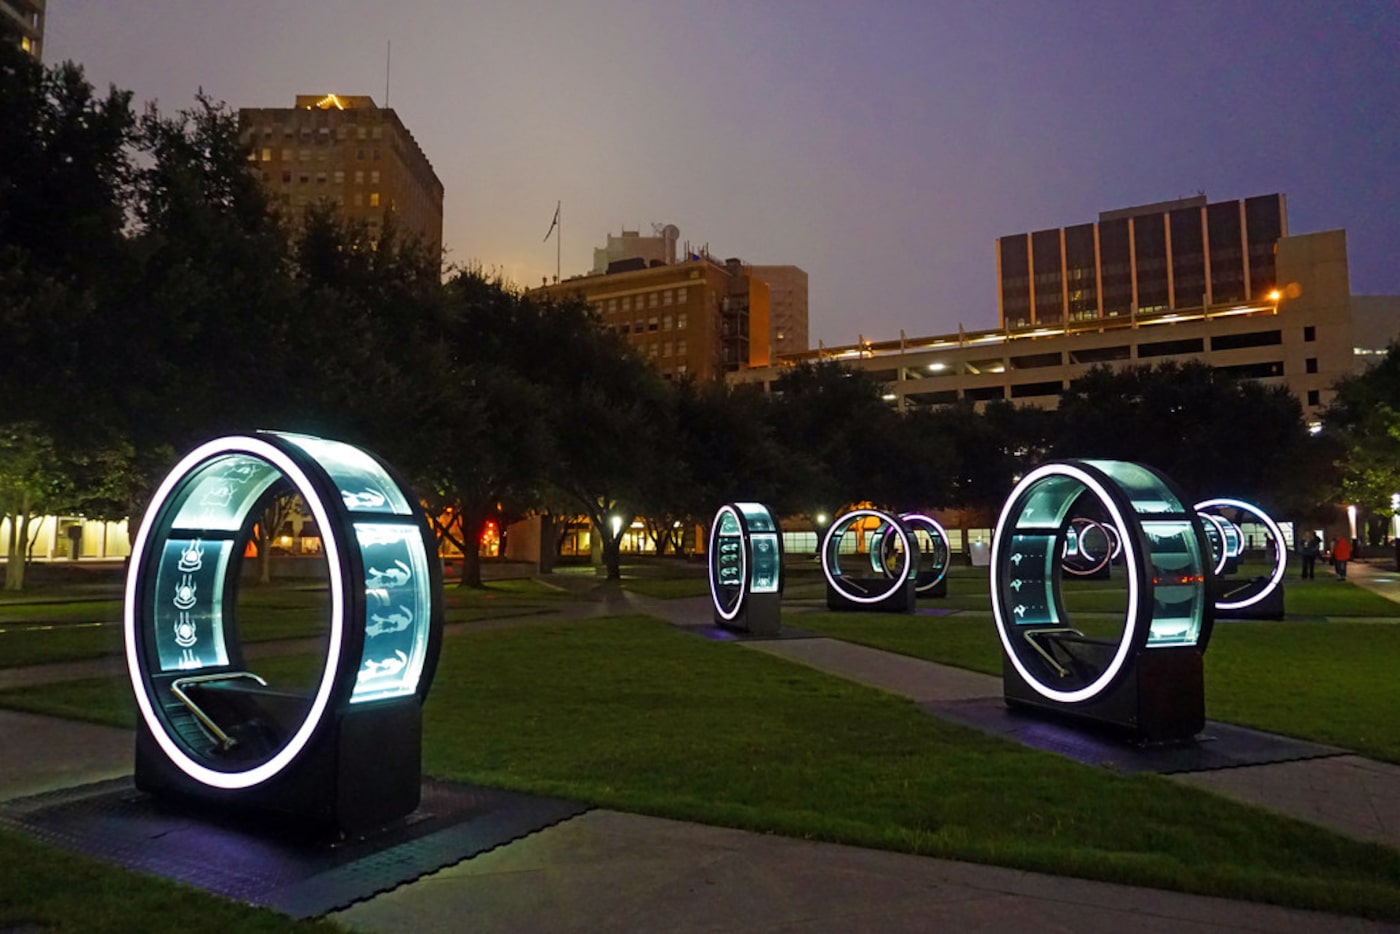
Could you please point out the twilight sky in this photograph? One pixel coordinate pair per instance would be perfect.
(882, 145)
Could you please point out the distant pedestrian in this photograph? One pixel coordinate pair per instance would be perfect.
(1308, 551)
(1341, 554)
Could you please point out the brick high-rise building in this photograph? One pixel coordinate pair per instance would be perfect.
(351, 153)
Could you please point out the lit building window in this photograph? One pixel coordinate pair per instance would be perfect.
(667, 297)
(360, 177)
(374, 176)
(680, 321)
(340, 178)
(374, 199)
(267, 154)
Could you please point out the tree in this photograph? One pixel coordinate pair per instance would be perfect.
(1211, 433)
(1362, 425)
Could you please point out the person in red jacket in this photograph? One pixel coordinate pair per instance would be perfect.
(1341, 554)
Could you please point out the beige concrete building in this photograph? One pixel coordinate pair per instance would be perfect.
(26, 19)
(787, 294)
(1306, 332)
(351, 153)
(697, 317)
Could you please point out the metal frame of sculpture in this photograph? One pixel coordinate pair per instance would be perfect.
(345, 757)
(1262, 596)
(891, 592)
(746, 568)
(1147, 683)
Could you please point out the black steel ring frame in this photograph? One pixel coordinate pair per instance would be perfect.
(205, 503)
(831, 559)
(1117, 486)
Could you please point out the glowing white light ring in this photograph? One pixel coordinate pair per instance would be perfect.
(935, 530)
(1005, 529)
(844, 523)
(1108, 552)
(1280, 555)
(1219, 525)
(131, 617)
(743, 563)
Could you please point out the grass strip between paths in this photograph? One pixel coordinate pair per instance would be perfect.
(630, 714)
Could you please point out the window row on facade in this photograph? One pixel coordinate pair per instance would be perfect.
(653, 299)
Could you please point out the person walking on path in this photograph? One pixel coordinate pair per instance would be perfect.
(1309, 550)
(1341, 554)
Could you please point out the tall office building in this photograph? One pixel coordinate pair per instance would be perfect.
(26, 19)
(1141, 261)
(351, 153)
(787, 295)
(1221, 284)
(696, 317)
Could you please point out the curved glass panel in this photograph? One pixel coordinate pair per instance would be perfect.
(397, 610)
(767, 565)
(188, 616)
(1144, 489)
(220, 493)
(757, 517)
(1179, 583)
(364, 485)
(1026, 574)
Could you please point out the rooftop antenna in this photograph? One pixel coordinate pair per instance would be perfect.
(388, 57)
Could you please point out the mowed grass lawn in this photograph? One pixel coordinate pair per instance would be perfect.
(1326, 673)
(629, 713)
(47, 629)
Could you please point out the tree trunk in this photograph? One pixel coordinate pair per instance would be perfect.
(264, 557)
(612, 556)
(473, 520)
(18, 557)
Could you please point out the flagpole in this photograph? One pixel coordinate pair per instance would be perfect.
(559, 240)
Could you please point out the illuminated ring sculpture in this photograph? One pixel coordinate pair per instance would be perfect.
(931, 574)
(1215, 535)
(356, 736)
(746, 568)
(1265, 599)
(894, 589)
(1167, 623)
(930, 579)
(1074, 546)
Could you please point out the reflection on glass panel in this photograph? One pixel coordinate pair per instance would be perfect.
(1179, 588)
(363, 484)
(1048, 503)
(220, 493)
(766, 563)
(757, 517)
(1027, 573)
(1145, 489)
(397, 610)
(188, 618)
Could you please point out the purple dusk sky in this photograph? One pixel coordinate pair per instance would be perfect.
(881, 146)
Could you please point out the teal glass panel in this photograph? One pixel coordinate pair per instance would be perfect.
(189, 604)
(363, 484)
(398, 610)
(1027, 574)
(1148, 494)
(757, 517)
(220, 493)
(767, 567)
(729, 558)
(1214, 539)
(1234, 539)
(1178, 582)
(1048, 502)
